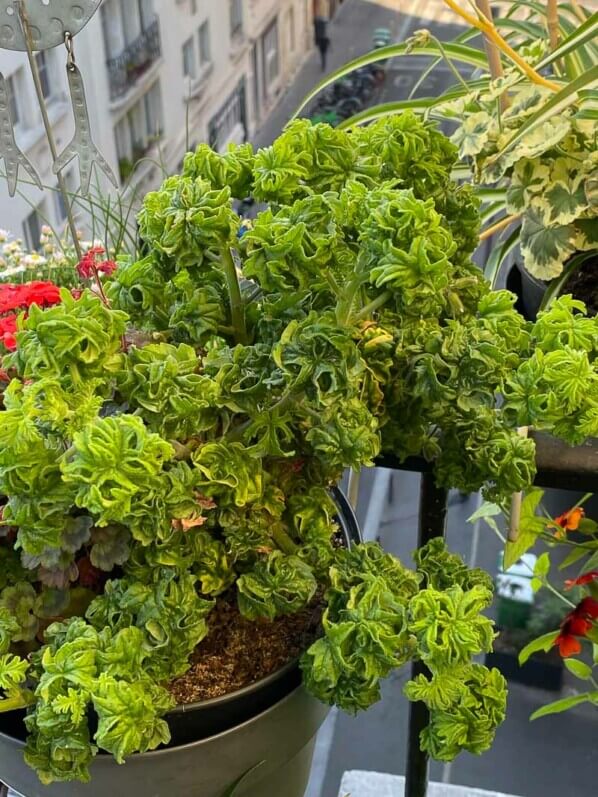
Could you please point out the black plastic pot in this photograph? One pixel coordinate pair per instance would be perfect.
(255, 742)
(542, 670)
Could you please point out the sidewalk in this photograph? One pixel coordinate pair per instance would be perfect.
(350, 34)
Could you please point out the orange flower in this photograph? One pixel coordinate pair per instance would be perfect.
(570, 520)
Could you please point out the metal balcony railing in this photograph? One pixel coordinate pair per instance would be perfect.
(126, 69)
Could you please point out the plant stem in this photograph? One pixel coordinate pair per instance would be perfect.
(237, 308)
(516, 500)
(282, 539)
(379, 301)
(500, 225)
(487, 27)
(493, 54)
(552, 23)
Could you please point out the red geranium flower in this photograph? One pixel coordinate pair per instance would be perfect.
(8, 328)
(587, 578)
(16, 297)
(89, 266)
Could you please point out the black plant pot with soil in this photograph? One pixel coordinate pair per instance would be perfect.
(582, 283)
(257, 741)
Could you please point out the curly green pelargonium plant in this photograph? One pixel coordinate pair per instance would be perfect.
(177, 441)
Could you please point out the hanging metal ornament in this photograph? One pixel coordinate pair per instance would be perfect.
(49, 21)
(32, 26)
(9, 150)
(82, 145)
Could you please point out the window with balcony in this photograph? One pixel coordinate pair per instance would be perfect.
(236, 18)
(205, 53)
(139, 130)
(32, 228)
(230, 123)
(132, 40)
(189, 65)
(271, 54)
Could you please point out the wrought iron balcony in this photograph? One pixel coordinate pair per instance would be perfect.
(126, 69)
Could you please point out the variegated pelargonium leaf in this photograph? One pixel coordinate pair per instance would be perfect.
(473, 135)
(545, 248)
(586, 237)
(591, 190)
(566, 200)
(529, 179)
(540, 139)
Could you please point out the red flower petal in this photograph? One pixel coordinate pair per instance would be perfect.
(568, 645)
(8, 328)
(108, 267)
(586, 578)
(588, 607)
(576, 625)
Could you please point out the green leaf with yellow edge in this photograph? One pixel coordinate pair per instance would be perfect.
(529, 178)
(545, 249)
(566, 200)
(472, 136)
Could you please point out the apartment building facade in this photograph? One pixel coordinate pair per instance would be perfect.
(161, 76)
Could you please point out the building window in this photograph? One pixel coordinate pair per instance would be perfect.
(271, 54)
(32, 228)
(189, 69)
(60, 205)
(138, 130)
(229, 124)
(205, 56)
(13, 93)
(41, 59)
(236, 18)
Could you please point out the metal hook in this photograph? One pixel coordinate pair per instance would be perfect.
(70, 48)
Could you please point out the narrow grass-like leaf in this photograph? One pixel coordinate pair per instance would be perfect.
(556, 104)
(458, 52)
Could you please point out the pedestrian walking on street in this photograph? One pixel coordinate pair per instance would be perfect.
(321, 38)
(323, 45)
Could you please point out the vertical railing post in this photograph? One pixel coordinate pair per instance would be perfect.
(433, 503)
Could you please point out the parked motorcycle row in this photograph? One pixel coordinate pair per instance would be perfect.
(351, 94)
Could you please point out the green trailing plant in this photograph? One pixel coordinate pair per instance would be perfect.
(177, 441)
(525, 125)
